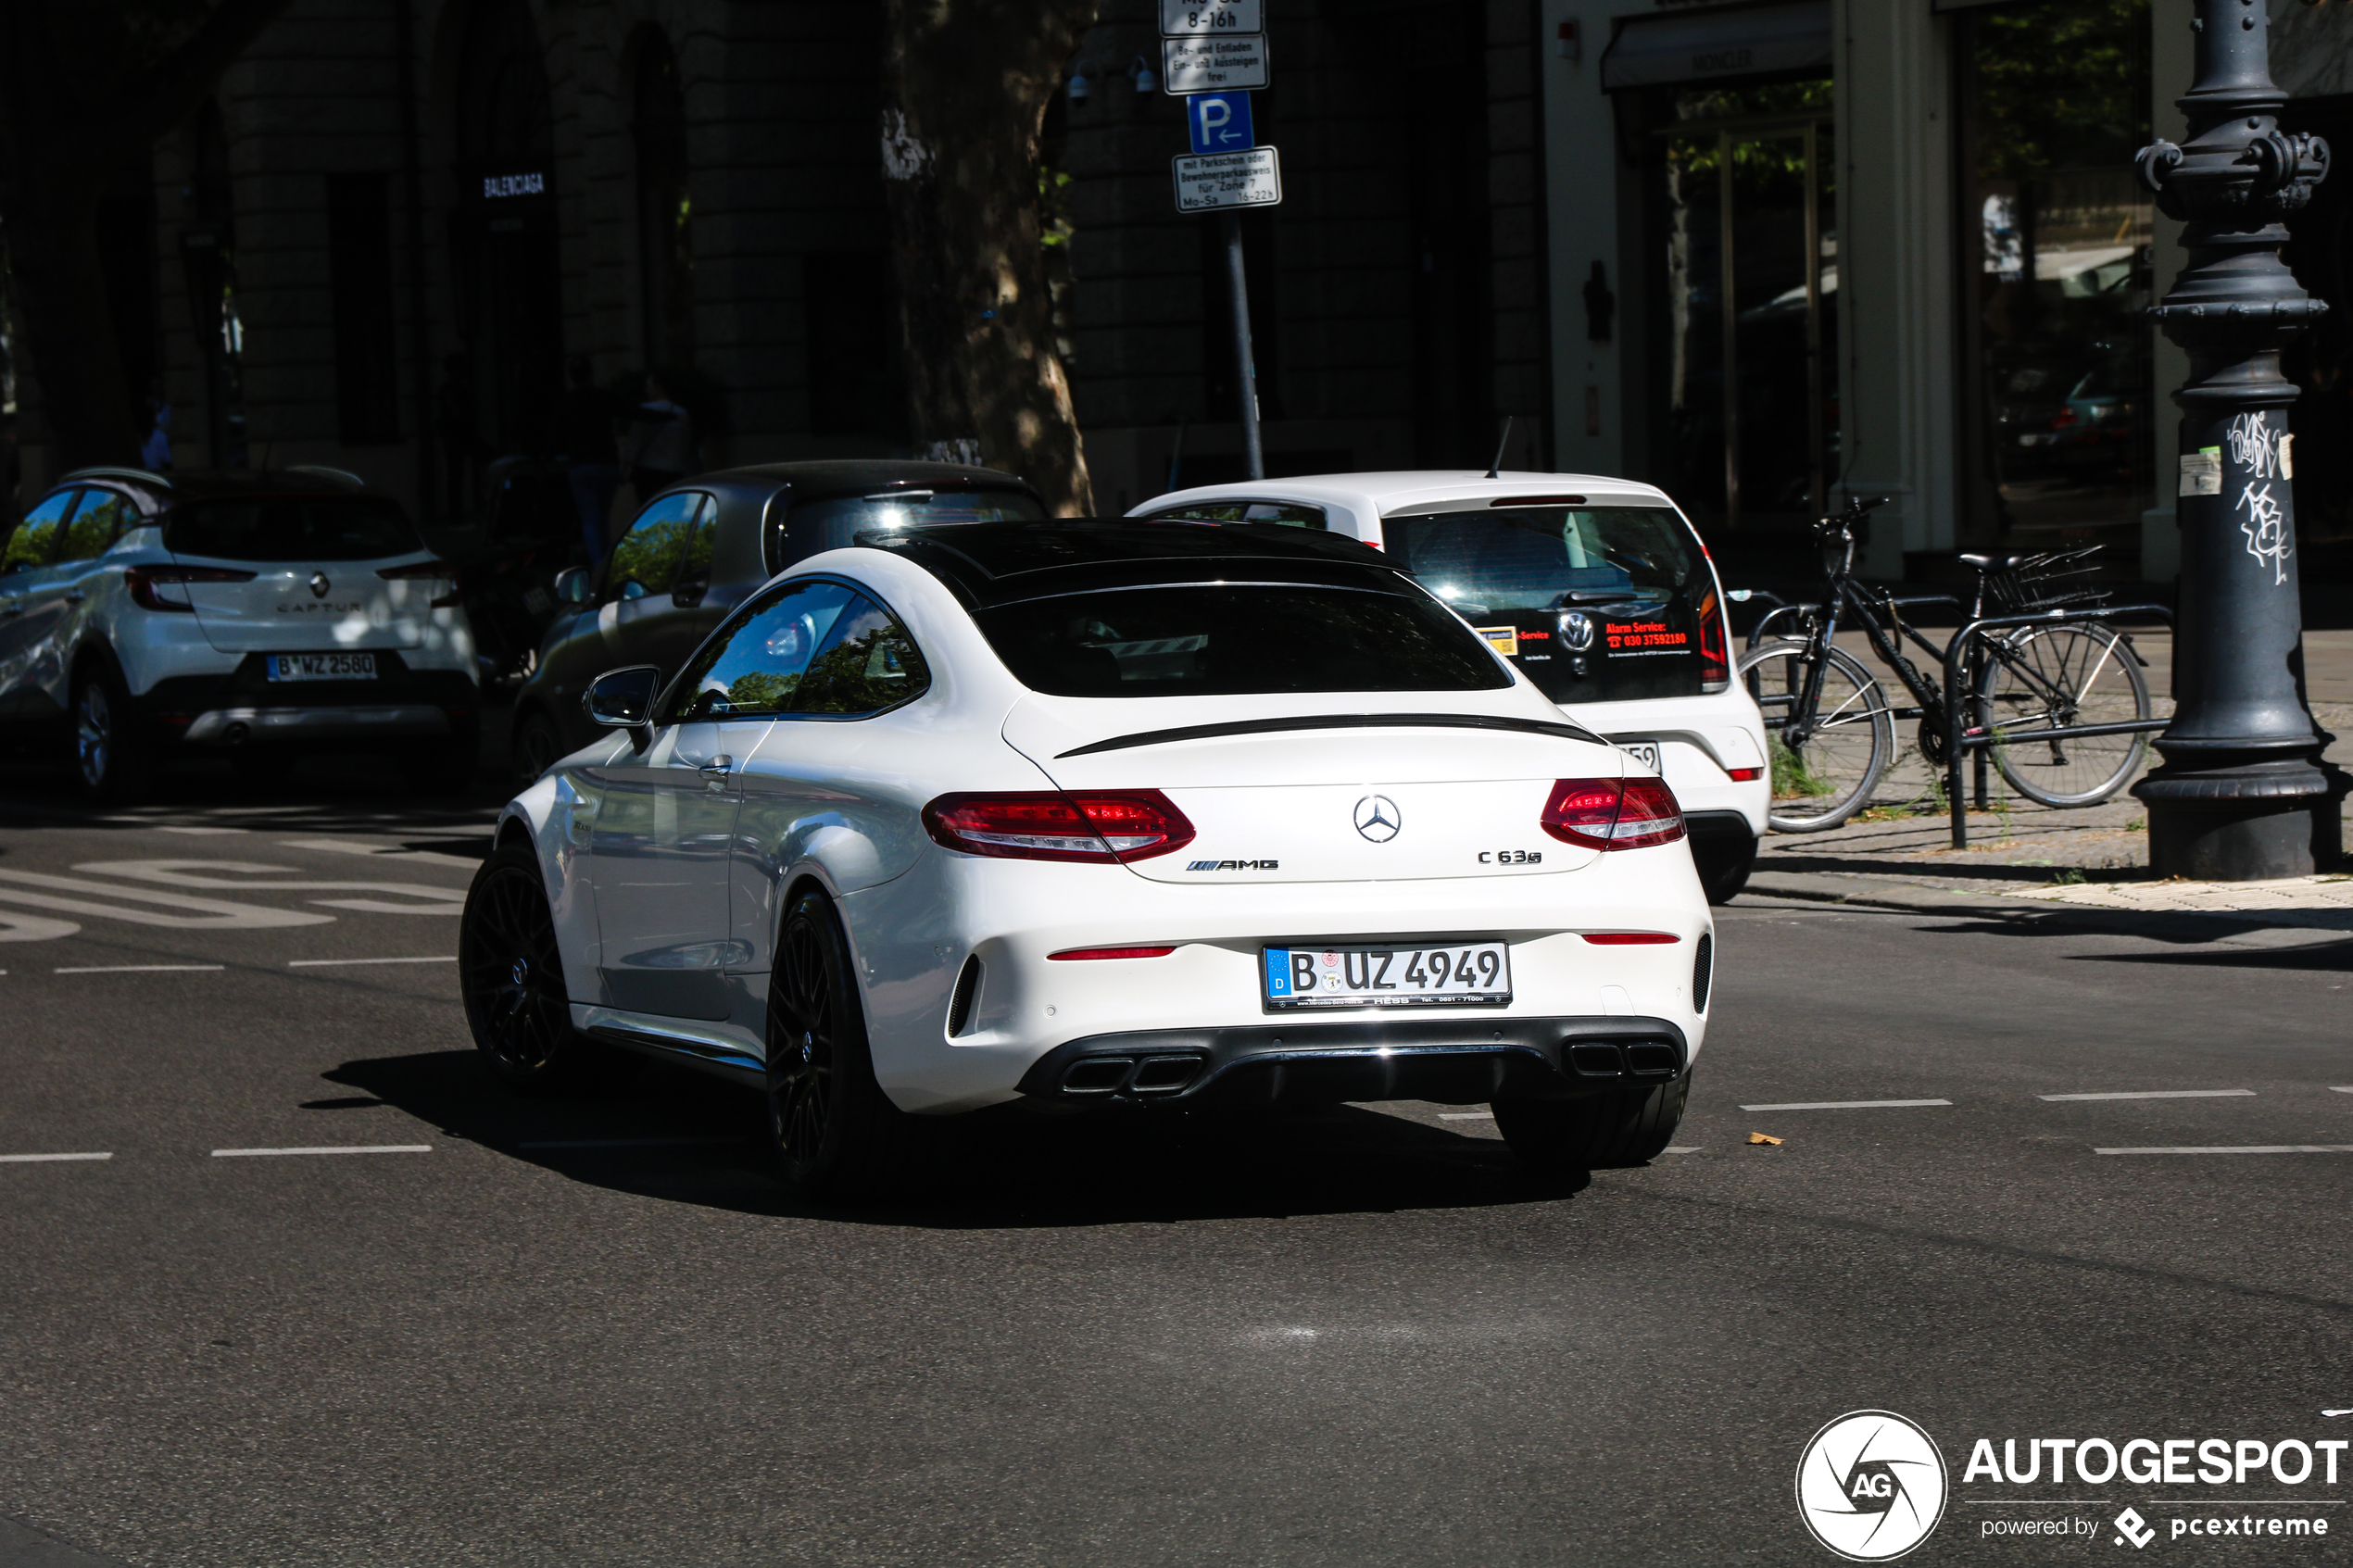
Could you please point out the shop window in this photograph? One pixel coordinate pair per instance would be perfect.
(359, 271)
(2058, 423)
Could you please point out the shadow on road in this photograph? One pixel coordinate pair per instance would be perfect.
(2194, 938)
(680, 1138)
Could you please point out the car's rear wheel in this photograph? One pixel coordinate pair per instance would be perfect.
(1724, 864)
(510, 973)
(1604, 1132)
(108, 761)
(834, 1132)
(535, 749)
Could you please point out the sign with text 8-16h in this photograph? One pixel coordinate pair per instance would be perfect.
(1215, 180)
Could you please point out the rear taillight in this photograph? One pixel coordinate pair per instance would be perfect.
(1612, 814)
(1714, 639)
(1096, 826)
(144, 581)
(423, 570)
(1742, 775)
(1630, 938)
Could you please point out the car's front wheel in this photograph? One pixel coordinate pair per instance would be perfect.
(1604, 1132)
(510, 973)
(106, 756)
(834, 1132)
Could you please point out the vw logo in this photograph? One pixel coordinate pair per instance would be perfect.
(319, 584)
(1577, 631)
(1378, 819)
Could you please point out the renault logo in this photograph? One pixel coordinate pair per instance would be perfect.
(1378, 819)
(319, 584)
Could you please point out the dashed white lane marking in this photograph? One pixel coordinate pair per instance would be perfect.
(1466, 1116)
(139, 968)
(331, 964)
(1847, 1105)
(622, 1143)
(44, 1159)
(348, 1149)
(174, 827)
(2248, 1148)
(1680, 1148)
(2340, 1088)
(2158, 1094)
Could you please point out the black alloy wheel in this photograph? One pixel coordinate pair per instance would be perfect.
(510, 973)
(537, 747)
(834, 1132)
(1603, 1132)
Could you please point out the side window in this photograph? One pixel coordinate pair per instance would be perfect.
(96, 524)
(867, 663)
(1282, 513)
(662, 548)
(34, 542)
(753, 666)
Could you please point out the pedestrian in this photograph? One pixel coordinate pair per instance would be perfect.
(462, 447)
(662, 441)
(586, 425)
(155, 446)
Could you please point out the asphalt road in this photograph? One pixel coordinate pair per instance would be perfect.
(593, 1332)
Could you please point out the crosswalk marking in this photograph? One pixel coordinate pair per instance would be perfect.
(181, 911)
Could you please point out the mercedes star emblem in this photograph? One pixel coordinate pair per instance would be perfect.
(319, 584)
(1378, 819)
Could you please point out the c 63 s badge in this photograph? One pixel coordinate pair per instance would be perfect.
(1233, 865)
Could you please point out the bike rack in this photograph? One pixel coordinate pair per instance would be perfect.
(1959, 742)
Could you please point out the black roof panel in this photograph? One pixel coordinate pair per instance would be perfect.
(988, 563)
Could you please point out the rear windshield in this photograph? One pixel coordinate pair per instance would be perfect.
(1595, 603)
(1231, 639)
(291, 528)
(834, 524)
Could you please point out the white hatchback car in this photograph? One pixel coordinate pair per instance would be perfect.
(250, 615)
(1099, 813)
(1598, 589)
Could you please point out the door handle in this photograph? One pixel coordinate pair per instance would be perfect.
(75, 595)
(716, 770)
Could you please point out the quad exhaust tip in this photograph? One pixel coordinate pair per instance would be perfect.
(1135, 1077)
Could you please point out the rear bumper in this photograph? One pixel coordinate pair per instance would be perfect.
(1454, 1061)
(238, 726)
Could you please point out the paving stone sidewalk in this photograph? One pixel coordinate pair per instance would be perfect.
(2029, 860)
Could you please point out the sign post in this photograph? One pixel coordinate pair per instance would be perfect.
(1213, 54)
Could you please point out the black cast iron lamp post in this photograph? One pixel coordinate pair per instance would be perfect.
(2243, 794)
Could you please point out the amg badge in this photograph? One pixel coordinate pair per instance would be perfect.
(1234, 865)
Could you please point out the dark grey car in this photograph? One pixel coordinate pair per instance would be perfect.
(700, 547)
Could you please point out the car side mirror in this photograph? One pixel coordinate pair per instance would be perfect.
(624, 700)
(572, 585)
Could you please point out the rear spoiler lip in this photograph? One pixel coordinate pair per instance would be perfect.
(1340, 722)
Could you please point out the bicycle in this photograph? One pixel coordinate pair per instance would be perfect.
(1830, 730)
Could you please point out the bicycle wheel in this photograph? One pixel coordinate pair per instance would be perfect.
(2043, 678)
(1829, 775)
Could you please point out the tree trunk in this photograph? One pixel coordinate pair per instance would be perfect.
(68, 320)
(965, 84)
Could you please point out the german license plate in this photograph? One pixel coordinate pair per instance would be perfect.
(1461, 974)
(321, 667)
(1643, 751)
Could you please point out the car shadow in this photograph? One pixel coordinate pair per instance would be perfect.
(677, 1136)
(2192, 939)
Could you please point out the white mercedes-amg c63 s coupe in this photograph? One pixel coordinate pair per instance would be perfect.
(1095, 814)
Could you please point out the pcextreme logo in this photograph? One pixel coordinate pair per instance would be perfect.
(1871, 1486)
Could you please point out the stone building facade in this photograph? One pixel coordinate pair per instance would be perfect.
(381, 244)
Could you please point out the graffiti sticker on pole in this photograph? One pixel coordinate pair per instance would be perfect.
(1249, 179)
(1217, 63)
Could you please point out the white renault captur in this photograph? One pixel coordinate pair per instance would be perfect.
(249, 615)
(1598, 589)
(1099, 814)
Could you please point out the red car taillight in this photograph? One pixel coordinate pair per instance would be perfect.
(1715, 637)
(1612, 814)
(1093, 825)
(143, 581)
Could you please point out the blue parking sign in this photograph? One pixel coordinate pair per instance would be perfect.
(1219, 122)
